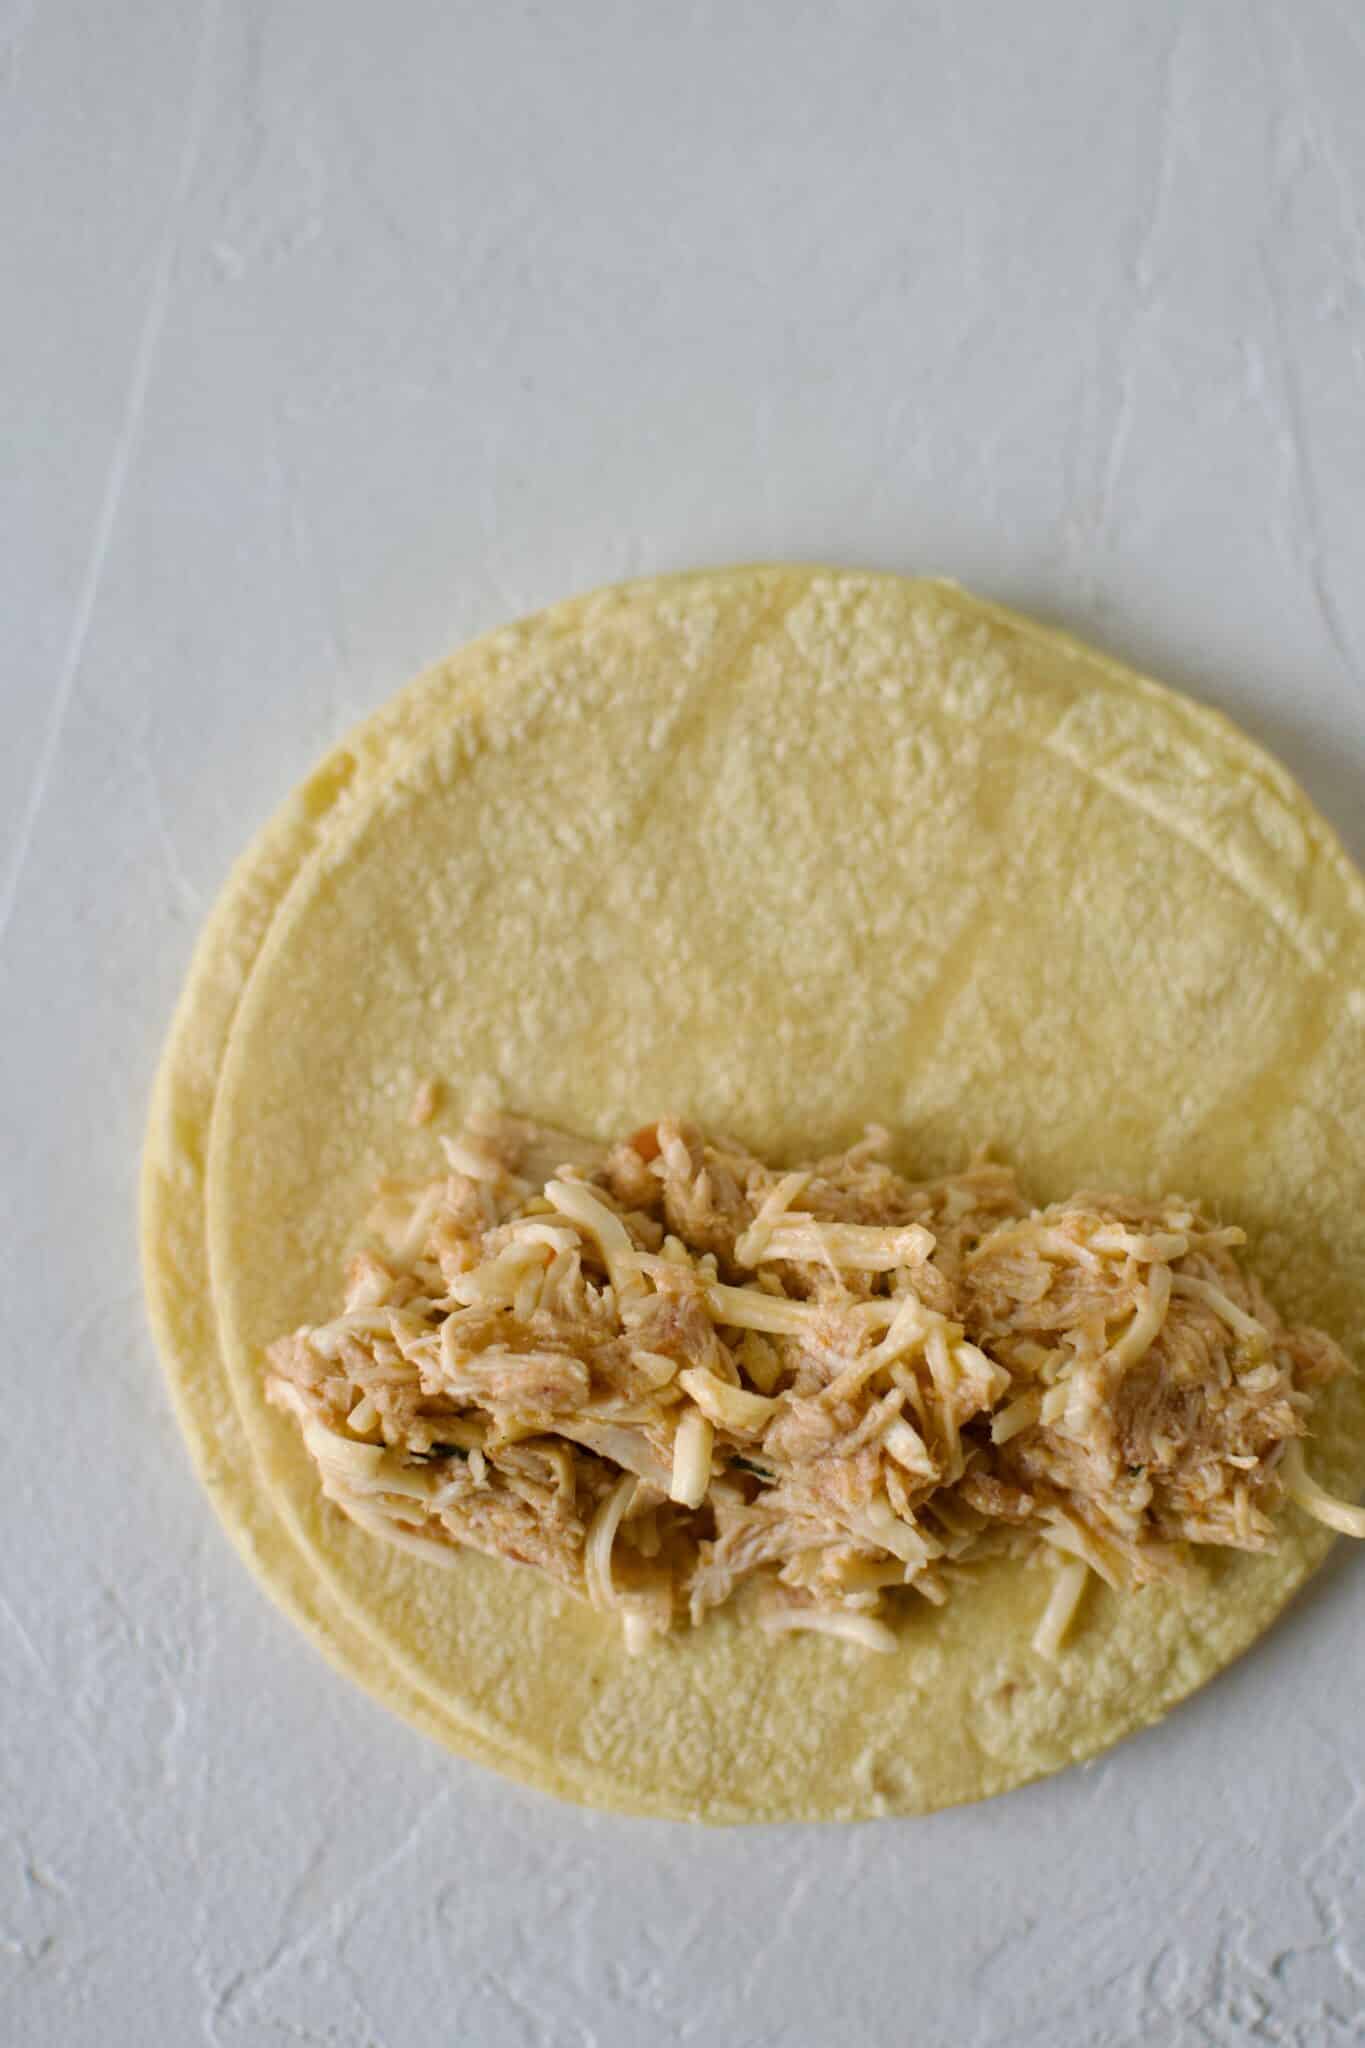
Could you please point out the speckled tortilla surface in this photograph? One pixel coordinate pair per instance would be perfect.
(787, 850)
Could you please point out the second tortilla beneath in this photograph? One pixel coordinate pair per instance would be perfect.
(799, 852)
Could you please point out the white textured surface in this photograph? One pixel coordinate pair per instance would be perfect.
(334, 333)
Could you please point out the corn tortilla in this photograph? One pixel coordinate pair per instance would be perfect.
(789, 851)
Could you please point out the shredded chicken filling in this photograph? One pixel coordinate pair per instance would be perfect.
(676, 1379)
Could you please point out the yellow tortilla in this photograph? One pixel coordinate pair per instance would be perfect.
(790, 851)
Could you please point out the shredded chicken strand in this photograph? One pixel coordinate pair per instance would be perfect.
(675, 1379)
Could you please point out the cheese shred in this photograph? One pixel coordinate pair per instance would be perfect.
(1343, 1516)
(1068, 1590)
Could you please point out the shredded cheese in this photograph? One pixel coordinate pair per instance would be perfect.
(409, 1246)
(1068, 1590)
(1252, 1332)
(639, 1631)
(1152, 1248)
(862, 1629)
(852, 1247)
(1343, 1516)
(751, 1244)
(1145, 1327)
(731, 1408)
(905, 1444)
(578, 1202)
(477, 1161)
(742, 1308)
(691, 1474)
(601, 1541)
(1021, 1413)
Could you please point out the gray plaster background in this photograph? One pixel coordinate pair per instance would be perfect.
(333, 333)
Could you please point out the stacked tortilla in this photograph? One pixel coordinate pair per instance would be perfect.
(789, 851)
